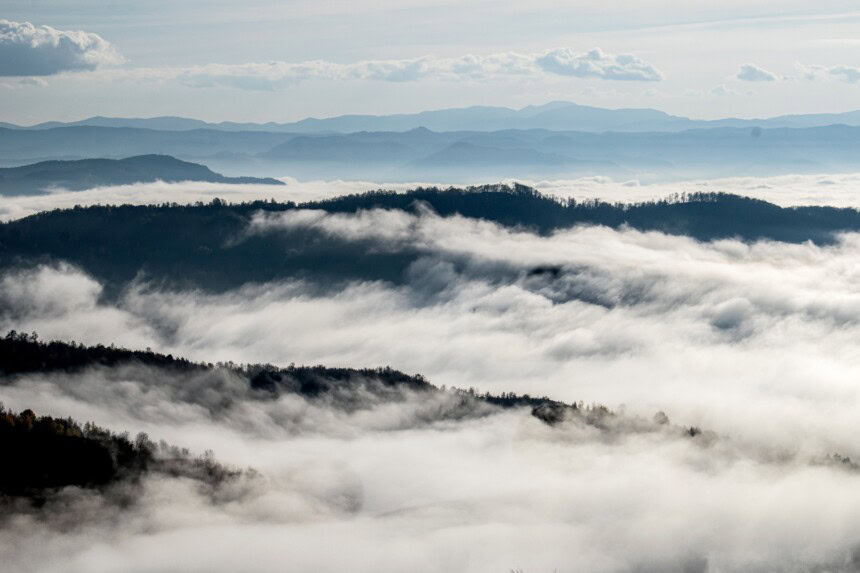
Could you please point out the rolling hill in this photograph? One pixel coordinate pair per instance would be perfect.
(45, 176)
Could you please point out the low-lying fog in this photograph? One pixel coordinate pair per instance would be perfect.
(839, 190)
(755, 343)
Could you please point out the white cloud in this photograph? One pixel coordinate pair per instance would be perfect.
(25, 82)
(740, 338)
(27, 50)
(277, 74)
(723, 90)
(756, 341)
(849, 74)
(838, 190)
(753, 73)
(597, 64)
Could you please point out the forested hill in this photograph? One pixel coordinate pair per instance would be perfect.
(207, 246)
(21, 353)
(87, 173)
(346, 388)
(42, 455)
(703, 216)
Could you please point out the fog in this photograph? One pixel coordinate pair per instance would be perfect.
(838, 190)
(754, 343)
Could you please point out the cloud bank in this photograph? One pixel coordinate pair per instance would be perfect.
(755, 342)
(837, 190)
(27, 50)
(594, 63)
(496, 492)
(618, 317)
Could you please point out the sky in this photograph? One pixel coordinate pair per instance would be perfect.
(263, 60)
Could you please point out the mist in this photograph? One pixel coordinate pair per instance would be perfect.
(753, 342)
(617, 317)
(488, 492)
(837, 190)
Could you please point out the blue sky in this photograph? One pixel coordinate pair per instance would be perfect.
(280, 61)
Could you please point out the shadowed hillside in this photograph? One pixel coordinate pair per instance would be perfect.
(208, 245)
(42, 454)
(88, 173)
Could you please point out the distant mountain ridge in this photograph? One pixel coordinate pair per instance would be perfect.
(557, 115)
(87, 173)
(462, 156)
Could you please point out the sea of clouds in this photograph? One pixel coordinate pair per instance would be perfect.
(838, 190)
(754, 343)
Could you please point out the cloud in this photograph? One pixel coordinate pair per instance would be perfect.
(723, 90)
(753, 73)
(490, 493)
(849, 74)
(662, 322)
(25, 82)
(784, 190)
(277, 74)
(755, 341)
(26, 50)
(597, 64)
(30, 81)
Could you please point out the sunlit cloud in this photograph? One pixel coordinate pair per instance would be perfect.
(27, 50)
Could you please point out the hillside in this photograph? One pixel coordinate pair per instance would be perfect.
(209, 246)
(88, 173)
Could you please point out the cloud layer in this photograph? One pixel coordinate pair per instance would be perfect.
(756, 342)
(27, 50)
(651, 321)
(838, 190)
(594, 63)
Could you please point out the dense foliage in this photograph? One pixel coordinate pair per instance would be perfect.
(41, 453)
(704, 216)
(87, 173)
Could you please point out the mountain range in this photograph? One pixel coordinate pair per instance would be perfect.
(557, 115)
(463, 156)
(472, 145)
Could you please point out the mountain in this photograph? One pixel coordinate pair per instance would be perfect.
(474, 156)
(87, 173)
(18, 146)
(462, 156)
(557, 115)
(166, 123)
